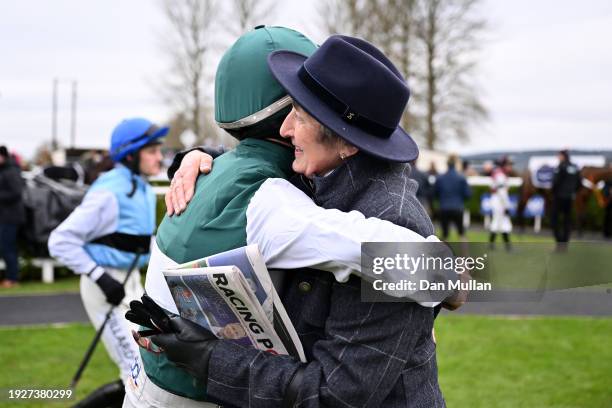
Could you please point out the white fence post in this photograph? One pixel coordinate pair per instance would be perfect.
(537, 223)
(466, 218)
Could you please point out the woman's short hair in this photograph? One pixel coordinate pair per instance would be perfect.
(326, 136)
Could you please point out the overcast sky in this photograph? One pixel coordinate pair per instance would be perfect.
(545, 72)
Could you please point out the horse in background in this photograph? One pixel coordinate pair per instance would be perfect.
(592, 182)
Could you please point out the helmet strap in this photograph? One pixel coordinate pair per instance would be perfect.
(134, 166)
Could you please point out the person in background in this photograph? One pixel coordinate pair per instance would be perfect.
(468, 169)
(425, 190)
(451, 190)
(500, 202)
(432, 173)
(105, 235)
(607, 197)
(12, 214)
(487, 168)
(566, 182)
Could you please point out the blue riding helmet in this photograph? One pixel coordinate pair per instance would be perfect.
(132, 134)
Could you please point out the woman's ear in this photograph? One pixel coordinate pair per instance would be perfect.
(347, 150)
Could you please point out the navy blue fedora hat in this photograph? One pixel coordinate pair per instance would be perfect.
(349, 86)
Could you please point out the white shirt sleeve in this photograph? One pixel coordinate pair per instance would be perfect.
(293, 232)
(96, 216)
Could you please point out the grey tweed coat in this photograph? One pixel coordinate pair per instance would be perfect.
(359, 354)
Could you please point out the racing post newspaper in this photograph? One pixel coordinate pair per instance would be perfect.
(232, 295)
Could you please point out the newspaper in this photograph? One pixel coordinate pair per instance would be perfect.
(232, 295)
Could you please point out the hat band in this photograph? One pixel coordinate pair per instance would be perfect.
(345, 111)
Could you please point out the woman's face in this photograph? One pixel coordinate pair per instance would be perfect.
(312, 156)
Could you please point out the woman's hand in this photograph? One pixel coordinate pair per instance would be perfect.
(183, 183)
(459, 297)
(189, 346)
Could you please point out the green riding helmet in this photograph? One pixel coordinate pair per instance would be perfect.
(249, 102)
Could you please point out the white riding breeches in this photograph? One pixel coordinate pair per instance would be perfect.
(117, 335)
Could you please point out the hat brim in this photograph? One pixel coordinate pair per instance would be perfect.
(399, 147)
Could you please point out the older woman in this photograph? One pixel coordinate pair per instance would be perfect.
(349, 149)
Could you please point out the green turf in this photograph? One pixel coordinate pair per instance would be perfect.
(534, 262)
(66, 284)
(47, 357)
(479, 235)
(536, 362)
(483, 361)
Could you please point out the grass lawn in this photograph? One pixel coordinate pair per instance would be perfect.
(532, 362)
(483, 361)
(47, 357)
(68, 284)
(63, 285)
(480, 235)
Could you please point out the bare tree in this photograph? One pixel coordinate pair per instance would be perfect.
(345, 17)
(188, 44)
(434, 44)
(449, 34)
(178, 124)
(388, 24)
(403, 53)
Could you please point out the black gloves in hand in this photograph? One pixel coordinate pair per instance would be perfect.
(113, 290)
(187, 344)
(149, 314)
(189, 347)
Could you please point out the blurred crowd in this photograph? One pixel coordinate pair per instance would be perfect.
(445, 196)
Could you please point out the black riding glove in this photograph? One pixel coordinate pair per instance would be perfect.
(149, 314)
(113, 290)
(187, 344)
(190, 347)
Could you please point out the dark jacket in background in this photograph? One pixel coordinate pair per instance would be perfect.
(425, 190)
(566, 180)
(452, 189)
(607, 194)
(359, 353)
(11, 189)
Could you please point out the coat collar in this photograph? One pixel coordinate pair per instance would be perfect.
(347, 182)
